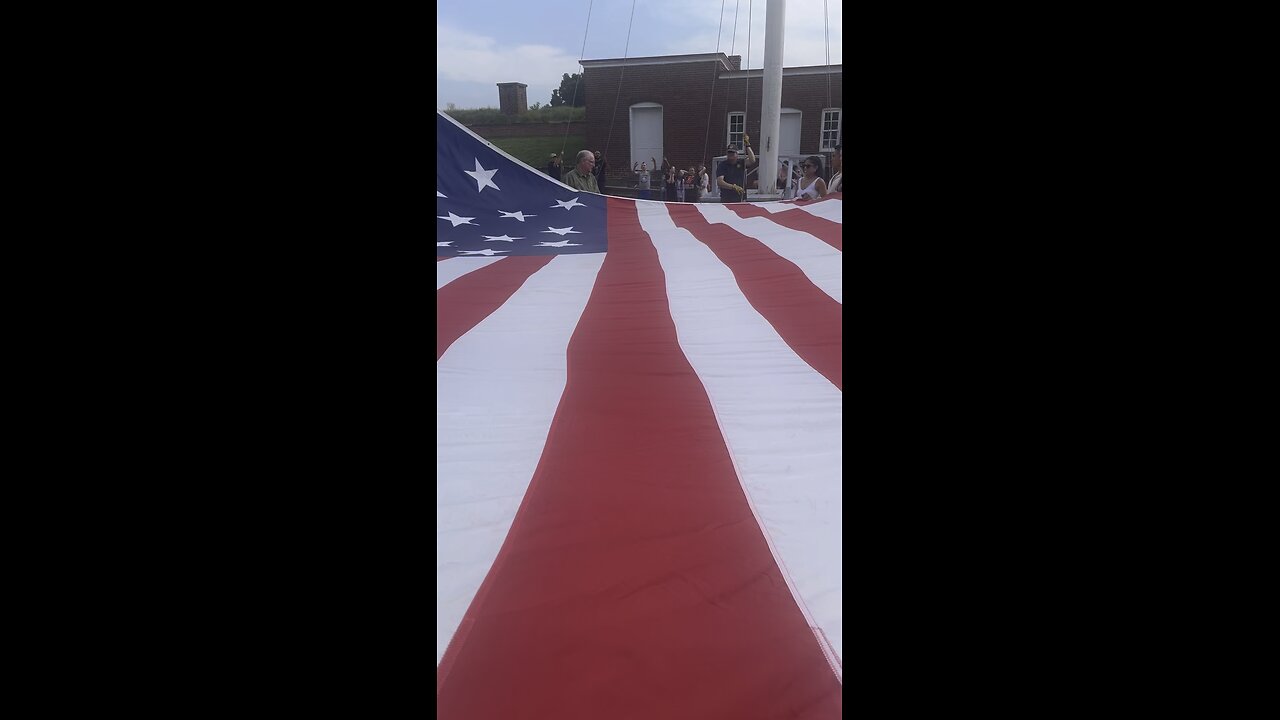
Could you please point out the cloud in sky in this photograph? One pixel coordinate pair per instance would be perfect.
(485, 42)
(804, 42)
(470, 66)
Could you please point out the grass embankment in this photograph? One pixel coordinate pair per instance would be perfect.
(493, 116)
(535, 151)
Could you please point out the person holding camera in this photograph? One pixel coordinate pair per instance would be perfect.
(669, 181)
(642, 180)
(692, 185)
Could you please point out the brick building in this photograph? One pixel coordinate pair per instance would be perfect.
(662, 108)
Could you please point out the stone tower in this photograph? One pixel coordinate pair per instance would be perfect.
(511, 98)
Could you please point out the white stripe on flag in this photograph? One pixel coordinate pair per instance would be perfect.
(497, 390)
(820, 262)
(781, 420)
(832, 210)
(449, 270)
(827, 209)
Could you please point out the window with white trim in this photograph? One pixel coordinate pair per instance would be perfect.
(830, 129)
(737, 120)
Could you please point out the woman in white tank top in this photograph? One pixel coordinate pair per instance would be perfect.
(811, 185)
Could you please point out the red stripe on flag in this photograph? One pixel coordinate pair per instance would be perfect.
(463, 303)
(807, 319)
(635, 581)
(821, 228)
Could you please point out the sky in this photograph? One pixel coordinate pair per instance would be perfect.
(481, 43)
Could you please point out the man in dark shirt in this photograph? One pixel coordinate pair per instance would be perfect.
(553, 166)
(730, 174)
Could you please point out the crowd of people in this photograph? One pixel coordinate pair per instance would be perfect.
(691, 185)
(678, 184)
(807, 182)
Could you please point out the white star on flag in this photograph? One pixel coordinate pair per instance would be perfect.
(568, 204)
(463, 157)
(440, 194)
(486, 251)
(446, 243)
(457, 219)
(483, 178)
(559, 243)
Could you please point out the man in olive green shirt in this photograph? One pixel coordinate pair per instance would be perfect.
(580, 176)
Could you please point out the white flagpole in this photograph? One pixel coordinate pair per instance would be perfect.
(771, 100)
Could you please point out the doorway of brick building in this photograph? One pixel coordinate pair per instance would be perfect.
(646, 136)
(789, 132)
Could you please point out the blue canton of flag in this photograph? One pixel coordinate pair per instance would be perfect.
(490, 206)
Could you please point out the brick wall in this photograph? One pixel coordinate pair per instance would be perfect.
(682, 89)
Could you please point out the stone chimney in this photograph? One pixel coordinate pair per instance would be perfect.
(511, 98)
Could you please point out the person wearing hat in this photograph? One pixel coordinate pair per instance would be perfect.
(600, 169)
(553, 166)
(730, 175)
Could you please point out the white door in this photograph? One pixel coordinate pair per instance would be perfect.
(789, 142)
(646, 135)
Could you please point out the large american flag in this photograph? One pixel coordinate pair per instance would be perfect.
(638, 437)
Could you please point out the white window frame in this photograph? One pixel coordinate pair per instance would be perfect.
(824, 146)
(729, 127)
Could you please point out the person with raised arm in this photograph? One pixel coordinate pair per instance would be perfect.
(730, 175)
